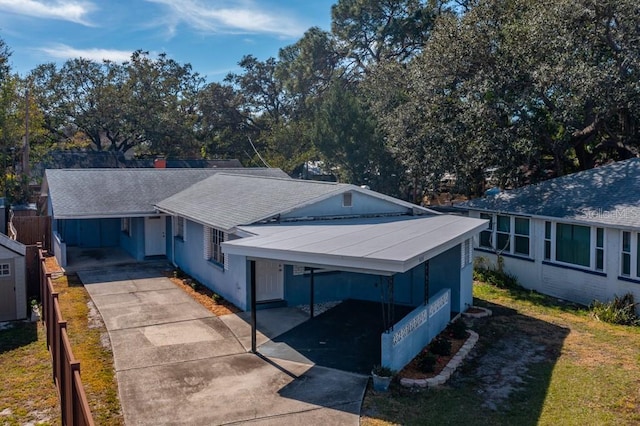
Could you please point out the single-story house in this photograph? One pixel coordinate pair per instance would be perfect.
(575, 237)
(13, 282)
(262, 240)
(116, 207)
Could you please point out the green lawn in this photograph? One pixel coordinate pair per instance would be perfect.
(538, 362)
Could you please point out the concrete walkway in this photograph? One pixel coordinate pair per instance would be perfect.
(176, 363)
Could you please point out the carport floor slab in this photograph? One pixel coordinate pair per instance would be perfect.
(270, 323)
(241, 388)
(346, 337)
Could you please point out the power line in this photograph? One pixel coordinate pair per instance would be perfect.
(257, 153)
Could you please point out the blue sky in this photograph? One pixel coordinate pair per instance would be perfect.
(211, 35)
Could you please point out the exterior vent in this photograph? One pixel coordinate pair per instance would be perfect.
(347, 199)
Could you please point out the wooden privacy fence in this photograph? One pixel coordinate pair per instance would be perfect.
(33, 229)
(66, 370)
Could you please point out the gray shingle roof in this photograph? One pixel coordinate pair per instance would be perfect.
(607, 195)
(224, 201)
(84, 193)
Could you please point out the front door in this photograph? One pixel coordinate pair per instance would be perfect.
(155, 236)
(7, 290)
(269, 281)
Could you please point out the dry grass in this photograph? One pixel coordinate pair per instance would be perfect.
(27, 392)
(584, 372)
(205, 297)
(96, 361)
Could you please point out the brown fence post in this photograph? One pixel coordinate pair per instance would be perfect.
(81, 410)
(41, 270)
(74, 406)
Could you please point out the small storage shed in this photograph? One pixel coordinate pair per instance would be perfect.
(13, 283)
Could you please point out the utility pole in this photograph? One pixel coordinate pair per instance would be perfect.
(25, 149)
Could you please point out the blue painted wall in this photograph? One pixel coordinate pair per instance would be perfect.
(361, 204)
(134, 244)
(330, 286)
(415, 331)
(444, 272)
(89, 232)
(189, 256)
(68, 231)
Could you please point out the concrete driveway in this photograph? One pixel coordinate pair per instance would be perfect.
(176, 363)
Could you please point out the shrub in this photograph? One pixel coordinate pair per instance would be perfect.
(426, 361)
(620, 310)
(458, 329)
(441, 346)
(496, 277)
(381, 371)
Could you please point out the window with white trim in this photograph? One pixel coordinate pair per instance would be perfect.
(630, 259)
(5, 270)
(486, 237)
(213, 239)
(507, 234)
(578, 245)
(179, 229)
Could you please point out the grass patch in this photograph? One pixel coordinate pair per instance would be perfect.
(27, 392)
(87, 334)
(580, 371)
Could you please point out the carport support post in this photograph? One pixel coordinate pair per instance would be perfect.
(253, 306)
(312, 292)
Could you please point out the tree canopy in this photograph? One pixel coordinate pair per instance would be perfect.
(397, 95)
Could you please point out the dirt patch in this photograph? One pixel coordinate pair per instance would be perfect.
(94, 320)
(503, 369)
(412, 371)
(205, 297)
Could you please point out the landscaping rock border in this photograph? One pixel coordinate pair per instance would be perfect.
(485, 313)
(450, 368)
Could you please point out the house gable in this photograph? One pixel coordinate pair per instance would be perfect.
(348, 204)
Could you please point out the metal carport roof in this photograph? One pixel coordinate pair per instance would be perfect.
(377, 245)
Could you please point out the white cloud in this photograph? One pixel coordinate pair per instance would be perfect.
(65, 10)
(235, 17)
(62, 51)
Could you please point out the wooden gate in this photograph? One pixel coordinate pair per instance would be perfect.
(31, 230)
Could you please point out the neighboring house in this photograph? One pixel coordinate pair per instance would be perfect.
(576, 237)
(13, 283)
(262, 240)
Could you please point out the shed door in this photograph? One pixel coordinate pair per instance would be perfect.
(154, 236)
(269, 281)
(7, 290)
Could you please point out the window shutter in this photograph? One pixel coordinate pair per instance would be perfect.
(207, 242)
(225, 257)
